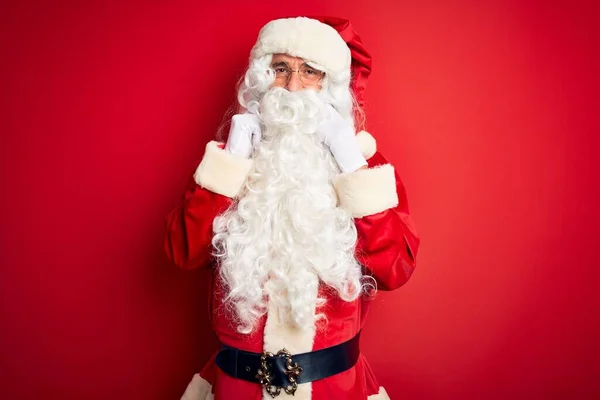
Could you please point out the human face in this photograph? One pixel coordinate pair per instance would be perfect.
(295, 64)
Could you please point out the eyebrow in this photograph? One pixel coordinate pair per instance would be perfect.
(284, 64)
(280, 64)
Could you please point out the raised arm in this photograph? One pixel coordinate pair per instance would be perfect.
(387, 239)
(217, 180)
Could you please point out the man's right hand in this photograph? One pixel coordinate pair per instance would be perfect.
(245, 132)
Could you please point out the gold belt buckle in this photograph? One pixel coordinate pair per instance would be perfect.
(292, 370)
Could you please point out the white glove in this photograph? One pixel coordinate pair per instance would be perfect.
(337, 134)
(244, 134)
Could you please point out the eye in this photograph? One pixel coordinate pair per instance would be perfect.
(310, 72)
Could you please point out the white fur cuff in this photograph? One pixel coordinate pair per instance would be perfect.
(367, 191)
(222, 172)
(367, 144)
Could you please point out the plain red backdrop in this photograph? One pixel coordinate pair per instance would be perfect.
(488, 109)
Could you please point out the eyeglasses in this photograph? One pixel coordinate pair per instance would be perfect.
(307, 74)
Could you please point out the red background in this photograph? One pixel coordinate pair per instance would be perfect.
(488, 109)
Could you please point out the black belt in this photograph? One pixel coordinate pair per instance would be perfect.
(282, 370)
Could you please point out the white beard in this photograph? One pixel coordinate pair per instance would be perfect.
(286, 234)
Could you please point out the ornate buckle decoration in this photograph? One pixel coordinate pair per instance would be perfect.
(292, 370)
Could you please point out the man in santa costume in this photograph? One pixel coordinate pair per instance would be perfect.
(300, 219)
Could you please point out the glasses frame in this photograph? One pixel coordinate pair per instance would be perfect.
(289, 77)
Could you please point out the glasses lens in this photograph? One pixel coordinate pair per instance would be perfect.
(281, 72)
(310, 75)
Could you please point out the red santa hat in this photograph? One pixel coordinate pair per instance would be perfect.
(328, 41)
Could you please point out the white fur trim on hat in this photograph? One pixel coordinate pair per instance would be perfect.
(222, 172)
(306, 38)
(367, 191)
(366, 143)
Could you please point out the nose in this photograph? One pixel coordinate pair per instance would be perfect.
(294, 84)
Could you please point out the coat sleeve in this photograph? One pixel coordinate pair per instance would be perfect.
(217, 180)
(387, 241)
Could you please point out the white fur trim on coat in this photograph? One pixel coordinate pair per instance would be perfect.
(382, 395)
(306, 38)
(279, 335)
(366, 143)
(222, 172)
(198, 389)
(367, 191)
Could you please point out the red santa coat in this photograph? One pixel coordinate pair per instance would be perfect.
(386, 246)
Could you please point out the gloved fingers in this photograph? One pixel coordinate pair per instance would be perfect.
(244, 131)
(256, 137)
(239, 143)
(347, 153)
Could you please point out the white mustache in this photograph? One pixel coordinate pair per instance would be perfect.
(304, 109)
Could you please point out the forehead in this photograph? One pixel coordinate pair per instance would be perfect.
(290, 60)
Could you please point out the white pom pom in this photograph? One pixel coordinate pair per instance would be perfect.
(367, 144)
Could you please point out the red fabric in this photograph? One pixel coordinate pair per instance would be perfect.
(387, 246)
(360, 65)
(388, 241)
(361, 59)
(189, 226)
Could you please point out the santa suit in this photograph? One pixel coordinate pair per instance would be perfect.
(386, 247)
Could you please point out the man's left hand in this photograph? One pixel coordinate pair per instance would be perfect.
(338, 134)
